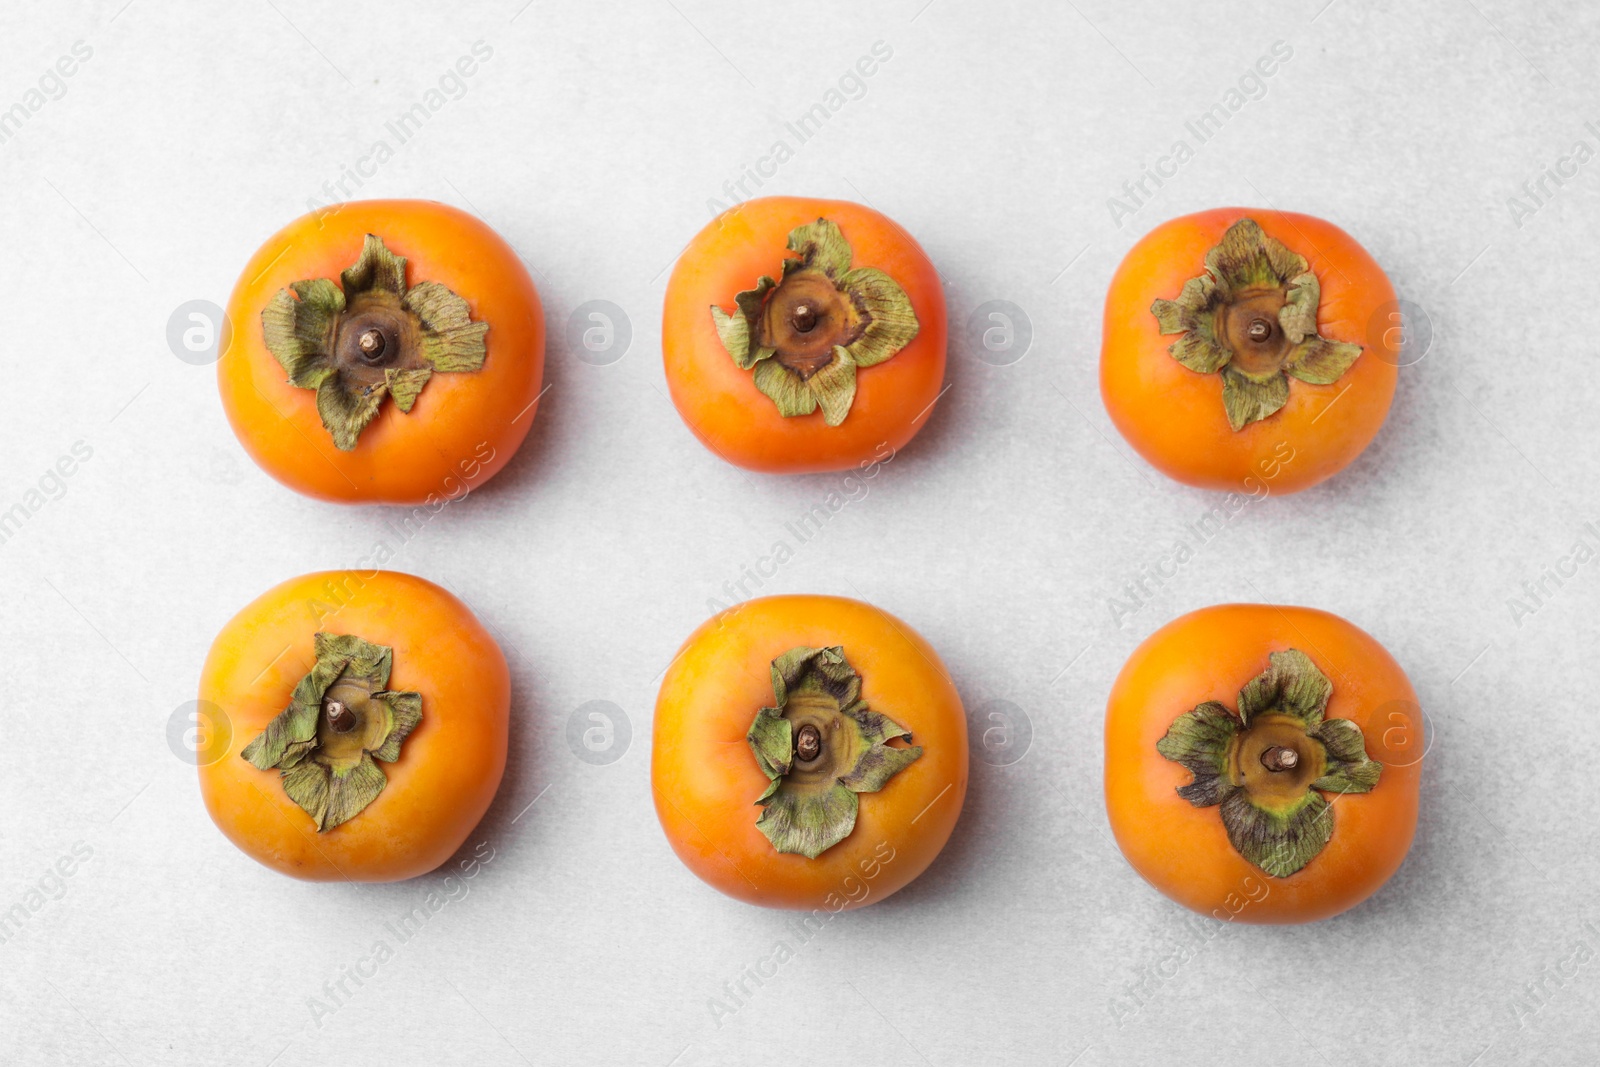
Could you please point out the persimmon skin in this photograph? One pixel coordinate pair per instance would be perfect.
(1183, 850)
(463, 428)
(449, 767)
(1173, 416)
(720, 402)
(705, 779)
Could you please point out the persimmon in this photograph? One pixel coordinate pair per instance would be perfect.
(384, 351)
(803, 335)
(1261, 763)
(1246, 348)
(809, 752)
(367, 715)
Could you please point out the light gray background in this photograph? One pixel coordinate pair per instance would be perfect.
(593, 139)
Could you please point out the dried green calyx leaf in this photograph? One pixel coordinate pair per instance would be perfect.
(820, 745)
(368, 337)
(1265, 766)
(1253, 318)
(807, 334)
(341, 717)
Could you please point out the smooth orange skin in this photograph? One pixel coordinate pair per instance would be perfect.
(463, 427)
(721, 404)
(449, 767)
(1183, 850)
(705, 778)
(1173, 416)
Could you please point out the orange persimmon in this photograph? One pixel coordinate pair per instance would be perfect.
(366, 716)
(803, 335)
(383, 351)
(809, 752)
(1245, 348)
(1263, 763)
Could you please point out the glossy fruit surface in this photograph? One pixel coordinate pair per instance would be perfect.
(706, 779)
(721, 402)
(448, 767)
(1176, 417)
(1183, 849)
(462, 428)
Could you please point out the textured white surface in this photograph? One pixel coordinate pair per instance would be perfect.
(593, 139)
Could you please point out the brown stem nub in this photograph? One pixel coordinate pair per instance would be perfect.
(1280, 758)
(371, 344)
(1259, 330)
(803, 318)
(340, 717)
(808, 743)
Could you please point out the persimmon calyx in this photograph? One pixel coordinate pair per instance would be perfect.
(819, 746)
(369, 337)
(806, 335)
(1269, 765)
(1252, 317)
(340, 719)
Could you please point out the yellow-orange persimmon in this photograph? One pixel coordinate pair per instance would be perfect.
(809, 752)
(393, 677)
(1262, 763)
(383, 351)
(803, 335)
(1246, 348)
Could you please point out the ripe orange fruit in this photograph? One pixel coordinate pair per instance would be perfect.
(1247, 348)
(803, 335)
(808, 752)
(367, 716)
(1254, 764)
(387, 351)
